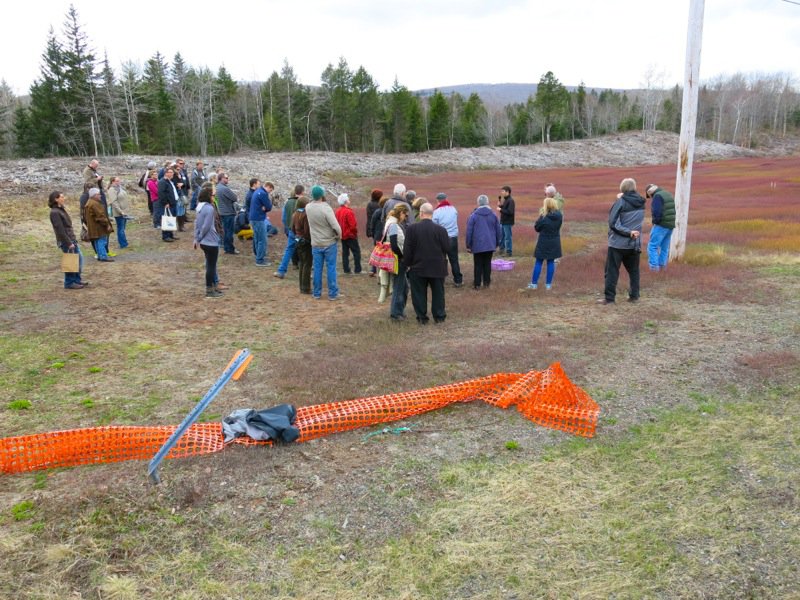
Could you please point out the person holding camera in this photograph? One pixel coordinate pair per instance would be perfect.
(505, 205)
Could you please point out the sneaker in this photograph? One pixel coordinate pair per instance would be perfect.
(262, 265)
(634, 300)
(222, 286)
(213, 294)
(279, 275)
(112, 254)
(105, 260)
(548, 286)
(604, 301)
(458, 285)
(74, 286)
(533, 286)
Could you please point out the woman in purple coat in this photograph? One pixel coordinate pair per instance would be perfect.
(483, 238)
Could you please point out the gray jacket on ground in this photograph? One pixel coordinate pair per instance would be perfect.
(626, 215)
(226, 200)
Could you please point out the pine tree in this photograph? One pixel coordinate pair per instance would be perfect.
(551, 102)
(472, 123)
(438, 121)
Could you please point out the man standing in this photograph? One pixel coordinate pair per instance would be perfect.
(425, 255)
(260, 205)
(446, 215)
(290, 252)
(227, 202)
(349, 226)
(624, 240)
(325, 236)
(90, 175)
(398, 195)
(167, 198)
(663, 211)
(197, 181)
(181, 180)
(505, 204)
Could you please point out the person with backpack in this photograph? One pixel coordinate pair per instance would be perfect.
(624, 241)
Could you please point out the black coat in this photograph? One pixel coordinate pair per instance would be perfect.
(425, 249)
(548, 246)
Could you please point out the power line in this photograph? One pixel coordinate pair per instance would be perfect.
(792, 2)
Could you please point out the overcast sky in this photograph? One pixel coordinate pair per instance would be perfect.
(423, 43)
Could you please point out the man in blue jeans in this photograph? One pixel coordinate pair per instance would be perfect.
(663, 210)
(260, 205)
(325, 236)
(505, 204)
(290, 253)
(227, 203)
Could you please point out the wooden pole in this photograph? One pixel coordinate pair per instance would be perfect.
(691, 88)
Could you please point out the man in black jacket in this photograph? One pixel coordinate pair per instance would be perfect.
(505, 204)
(425, 257)
(167, 198)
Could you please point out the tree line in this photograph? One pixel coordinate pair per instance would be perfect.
(80, 106)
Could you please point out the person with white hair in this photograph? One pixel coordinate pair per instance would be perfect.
(624, 241)
(398, 195)
(483, 238)
(425, 256)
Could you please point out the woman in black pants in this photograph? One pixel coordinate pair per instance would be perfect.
(207, 238)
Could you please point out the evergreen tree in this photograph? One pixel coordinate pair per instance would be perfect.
(438, 122)
(472, 123)
(551, 102)
(414, 140)
(366, 110)
(157, 108)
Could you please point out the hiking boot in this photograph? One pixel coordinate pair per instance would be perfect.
(213, 293)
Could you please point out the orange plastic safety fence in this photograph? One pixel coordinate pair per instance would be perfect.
(546, 397)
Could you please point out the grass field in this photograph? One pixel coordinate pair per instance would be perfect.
(689, 489)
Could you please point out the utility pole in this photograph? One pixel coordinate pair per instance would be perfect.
(691, 88)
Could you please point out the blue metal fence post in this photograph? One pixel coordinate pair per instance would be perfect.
(240, 361)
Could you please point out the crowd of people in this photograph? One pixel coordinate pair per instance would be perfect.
(424, 239)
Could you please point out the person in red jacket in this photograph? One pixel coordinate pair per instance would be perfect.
(347, 221)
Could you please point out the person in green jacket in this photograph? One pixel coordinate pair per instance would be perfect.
(662, 209)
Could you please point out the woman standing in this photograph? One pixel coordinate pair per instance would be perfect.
(118, 202)
(302, 233)
(484, 234)
(207, 238)
(65, 238)
(548, 246)
(152, 195)
(394, 230)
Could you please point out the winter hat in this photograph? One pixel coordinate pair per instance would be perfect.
(376, 195)
(651, 189)
(441, 196)
(343, 198)
(317, 192)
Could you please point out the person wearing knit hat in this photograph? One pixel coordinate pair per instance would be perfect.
(325, 235)
(446, 215)
(347, 222)
(662, 210)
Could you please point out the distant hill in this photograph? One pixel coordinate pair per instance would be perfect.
(493, 94)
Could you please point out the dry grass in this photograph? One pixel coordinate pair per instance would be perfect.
(473, 501)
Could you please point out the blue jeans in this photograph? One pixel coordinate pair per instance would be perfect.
(193, 203)
(70, 278)
(122, 239)
(101, 247)
(399, 293)
(537, 270)
(505, 243)
(291, 244)
(658, 247)
(228, 223)
(259, 241)
(328, 256)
